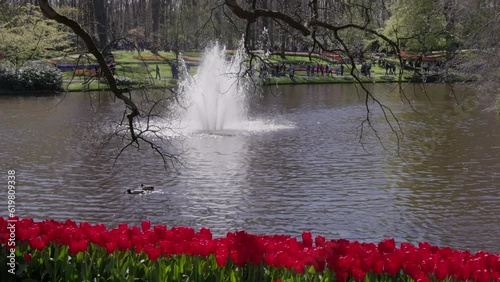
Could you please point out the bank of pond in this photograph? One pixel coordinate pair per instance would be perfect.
(134, 70)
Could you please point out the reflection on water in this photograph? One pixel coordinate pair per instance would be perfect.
(307, 171)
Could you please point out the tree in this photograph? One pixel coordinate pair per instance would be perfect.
(101, 21)
(133, 116)
(417, 25)
(328, 27)
(337, 26)
(477, 26)
(27, 35)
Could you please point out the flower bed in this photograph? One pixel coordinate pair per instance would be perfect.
(66, 251)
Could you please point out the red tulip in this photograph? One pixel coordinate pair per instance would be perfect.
(22, 234)
(307, 239)
(378, 266)
(441, 270)
(344, 262)
(78, 246)
(358, 274)
(28, 257)
(37, 243)
(146, 225)
(481, 275)
(152, 252)
(423, 278)
(320, 253)
(428, 264)
(71, 223)
(110, 247)
(413, 270)
(298, 267)
(138, 247)
(160, 231)
(320, 241)
(366, 262)
(495, 276)
(465, 273)
(124, 243)
(392, 264)
(206, 233)
(387, 246)
(319, 266)
(221, 259)
(237, 258)
(95, 237)
(341, 275)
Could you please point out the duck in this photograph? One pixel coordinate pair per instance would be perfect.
(147, 187)
(130, 191)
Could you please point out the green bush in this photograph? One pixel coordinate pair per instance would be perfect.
(32, 77)
(8, 78)
(40, 77)
(123, 81)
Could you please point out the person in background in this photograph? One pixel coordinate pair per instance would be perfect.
(158, 72)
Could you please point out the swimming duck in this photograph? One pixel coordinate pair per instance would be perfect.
(130, 191)
(147, 187)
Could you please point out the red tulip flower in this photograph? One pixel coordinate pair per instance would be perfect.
(152, 252)
(298, 267)
(358, 274)
(307, 239)
(146, 225)
(28, 257)
(319, 241)
(221, 259)
(387, 246)
(110, 247)
(76, 247)
(37, 243)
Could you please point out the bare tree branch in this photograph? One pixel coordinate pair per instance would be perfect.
(50, 13)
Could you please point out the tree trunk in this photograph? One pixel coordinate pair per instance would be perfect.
(451, 44)
(101, 22)
(155, 14)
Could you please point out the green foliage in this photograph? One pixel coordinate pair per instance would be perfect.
(28, 35)
(8, 78)
(31, 77)
(417, 25)
(40, 76)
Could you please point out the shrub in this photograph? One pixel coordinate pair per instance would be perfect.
(124, 81)
(40, 77)
(32, 77)
(8, 78)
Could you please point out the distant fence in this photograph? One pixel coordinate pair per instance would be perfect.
(74, 67)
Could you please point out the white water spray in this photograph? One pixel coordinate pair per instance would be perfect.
(215, 98)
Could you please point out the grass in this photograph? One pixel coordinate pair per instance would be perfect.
(141, 70)
(102, 85)
(331, 80)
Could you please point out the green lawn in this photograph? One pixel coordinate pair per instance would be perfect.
(139, 70)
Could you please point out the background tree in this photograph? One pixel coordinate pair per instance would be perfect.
(27, 35)
(101, 22)
(417, 25)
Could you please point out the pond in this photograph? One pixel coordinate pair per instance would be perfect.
(304, 165)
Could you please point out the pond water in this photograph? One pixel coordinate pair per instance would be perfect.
(305, 164)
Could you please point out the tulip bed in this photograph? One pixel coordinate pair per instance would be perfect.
(66, 251)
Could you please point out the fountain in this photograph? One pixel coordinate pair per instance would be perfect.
(214, 99)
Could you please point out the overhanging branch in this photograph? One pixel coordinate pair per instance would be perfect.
(50, 13)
